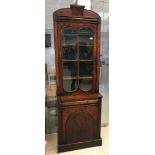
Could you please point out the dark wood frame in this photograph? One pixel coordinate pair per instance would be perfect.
(72, 106)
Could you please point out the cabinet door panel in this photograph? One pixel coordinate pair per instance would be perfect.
(85, 43)
(85, 84)
(69, 43)
(70, 76)
(86, 69)
(85, 52)
(80, 123)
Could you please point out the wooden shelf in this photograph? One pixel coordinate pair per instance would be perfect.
(69, 34)
(74, 78)
(65, 60)
(86, 45)
(69, 78)
(81, 60)
(65, 45)
(85, 77)
(78, 34)
(84, 60)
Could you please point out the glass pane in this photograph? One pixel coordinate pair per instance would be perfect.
(85, 52)
(86, 69)
(69, 43)
(70, 76)
(85, 84)
(85, 43)
(69, 52)
(70, 85)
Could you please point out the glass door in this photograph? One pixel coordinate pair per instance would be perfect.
(69, 54)
(77, 59)
(85, 59)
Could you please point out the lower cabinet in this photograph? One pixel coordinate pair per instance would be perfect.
(79, 125)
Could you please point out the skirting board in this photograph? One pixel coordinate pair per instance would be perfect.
(80, 145)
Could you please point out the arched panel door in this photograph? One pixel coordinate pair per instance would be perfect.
(80, 126)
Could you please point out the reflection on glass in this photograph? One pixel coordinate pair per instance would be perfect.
(85, 84)
(86, 69)
(86, 36)
(69, 43)
(86, 43)
(70, 85)
(69, 52)
(70, 76)
(85, 52)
